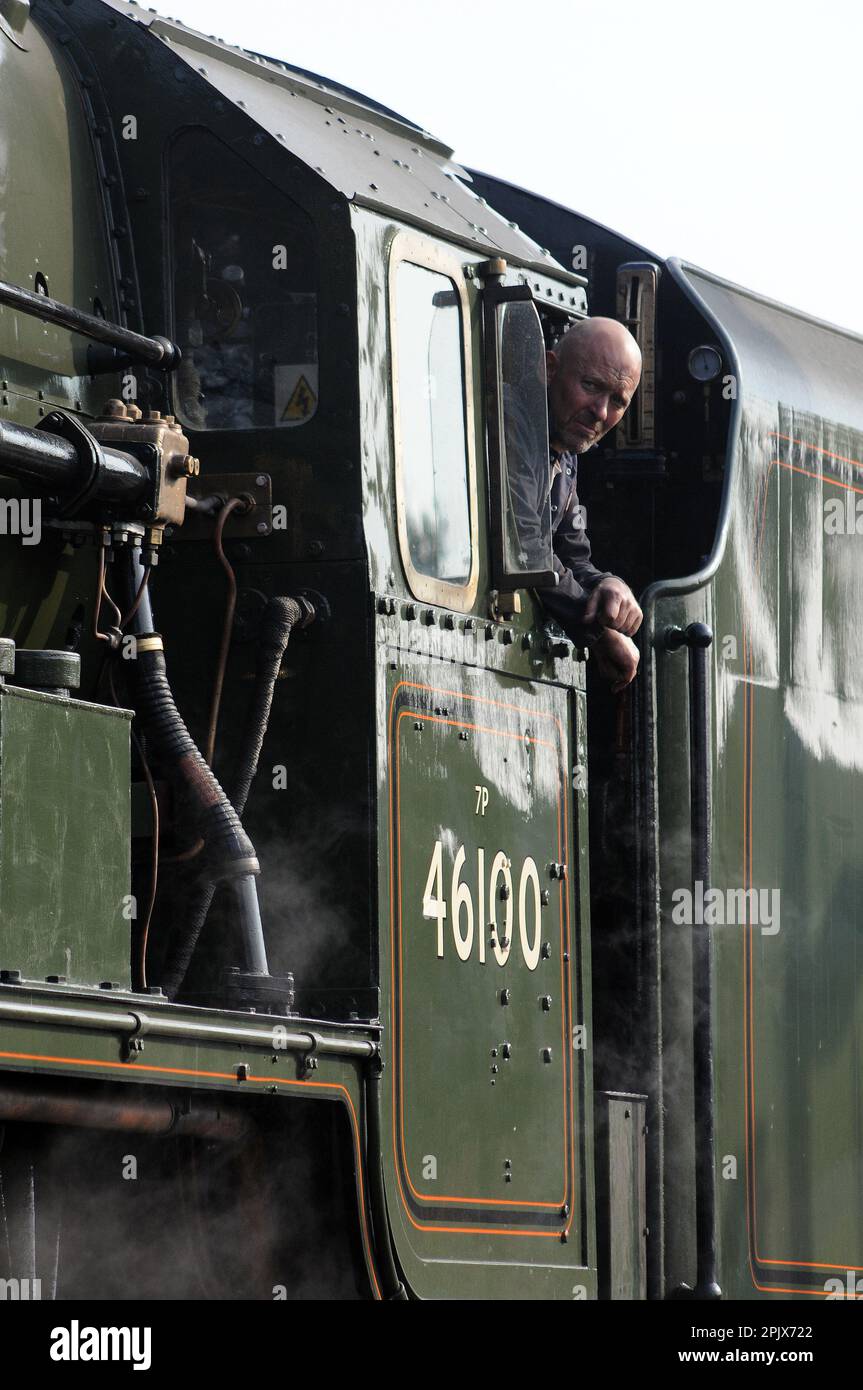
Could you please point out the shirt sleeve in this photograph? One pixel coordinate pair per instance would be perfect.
(577, 575)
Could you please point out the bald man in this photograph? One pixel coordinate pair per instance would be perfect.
(592, 376)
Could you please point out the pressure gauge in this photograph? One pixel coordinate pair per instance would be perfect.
(705, 363)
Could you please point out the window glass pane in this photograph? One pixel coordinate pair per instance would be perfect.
(432, 423)
(526, 484)
(245, 301)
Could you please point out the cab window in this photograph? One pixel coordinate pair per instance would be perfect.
(432, 420)
(245, 293)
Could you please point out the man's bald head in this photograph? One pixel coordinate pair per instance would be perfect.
(593, 373)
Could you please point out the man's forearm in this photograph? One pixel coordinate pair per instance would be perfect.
(567, 601)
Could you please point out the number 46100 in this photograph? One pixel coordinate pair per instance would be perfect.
(500, 890)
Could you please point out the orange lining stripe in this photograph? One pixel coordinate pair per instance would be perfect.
(569, 1151)
(444, 1197)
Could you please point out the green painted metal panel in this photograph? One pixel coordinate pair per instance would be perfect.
(484, 968)
(64, 838)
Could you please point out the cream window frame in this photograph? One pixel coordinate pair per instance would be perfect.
(429, 255)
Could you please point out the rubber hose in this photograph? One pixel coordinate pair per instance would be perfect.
(228, 852)
(280, 616)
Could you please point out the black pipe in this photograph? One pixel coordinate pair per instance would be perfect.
(280, 617)
(228, 851)
(156, 352)
(697, 638)
(50, 463)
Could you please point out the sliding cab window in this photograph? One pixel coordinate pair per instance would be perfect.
(519, 477)
(433, 423)
(245, 293)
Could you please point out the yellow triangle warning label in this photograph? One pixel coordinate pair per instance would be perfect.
(302, 402)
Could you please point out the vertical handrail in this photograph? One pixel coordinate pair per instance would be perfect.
(697, 637)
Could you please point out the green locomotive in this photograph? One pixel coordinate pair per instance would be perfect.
(386, 970)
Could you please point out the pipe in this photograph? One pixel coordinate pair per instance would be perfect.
(156, 352)
(251, 927)
(41, 1106)
(50, 463)
(174, 1025)
(280, 617)
(697, 637)
(228, 852)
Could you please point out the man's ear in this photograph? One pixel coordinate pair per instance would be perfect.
(551, 365)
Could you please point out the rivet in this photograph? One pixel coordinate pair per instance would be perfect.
(546, 1054)
(505, 996)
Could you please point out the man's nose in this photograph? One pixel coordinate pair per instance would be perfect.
(600, 408)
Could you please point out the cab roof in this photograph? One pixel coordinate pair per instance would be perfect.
(369, 154)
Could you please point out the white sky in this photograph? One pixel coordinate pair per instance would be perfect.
(728, 133)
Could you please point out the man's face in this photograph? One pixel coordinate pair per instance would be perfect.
(589, 389)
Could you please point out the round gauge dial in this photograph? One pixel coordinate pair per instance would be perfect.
(705, 363)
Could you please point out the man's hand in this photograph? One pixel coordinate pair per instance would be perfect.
(617, 658)
(612, 605)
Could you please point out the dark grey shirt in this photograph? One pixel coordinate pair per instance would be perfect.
(577, 575)
(534, 471)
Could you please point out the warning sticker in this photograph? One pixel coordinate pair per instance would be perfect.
(296, 393)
